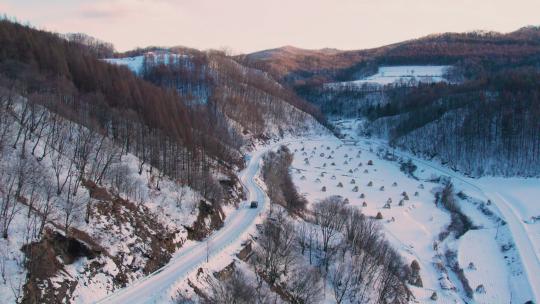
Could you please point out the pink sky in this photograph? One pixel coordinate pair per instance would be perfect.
(250, 25)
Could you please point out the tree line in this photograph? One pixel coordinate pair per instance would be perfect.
(154, 123)
(484, 126)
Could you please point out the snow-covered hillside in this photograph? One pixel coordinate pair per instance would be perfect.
(136, 63)
(404, 74)
(80, 218)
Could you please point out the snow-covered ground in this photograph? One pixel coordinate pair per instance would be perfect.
(135, 63)
(486, 269)
(507, 275)
(400, 74)
(416, 224)
(524, 197)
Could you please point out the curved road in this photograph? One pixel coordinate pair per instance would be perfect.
(152, 288)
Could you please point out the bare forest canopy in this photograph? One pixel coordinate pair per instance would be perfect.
(153, 116)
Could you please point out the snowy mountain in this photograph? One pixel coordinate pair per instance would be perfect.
(474, 95)
(407, 74)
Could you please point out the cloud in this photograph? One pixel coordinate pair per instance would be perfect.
(117, 9)
(249, 25)
(107, 10)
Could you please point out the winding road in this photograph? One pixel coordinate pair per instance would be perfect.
(152, 288)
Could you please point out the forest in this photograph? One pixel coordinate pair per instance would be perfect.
(122, 169)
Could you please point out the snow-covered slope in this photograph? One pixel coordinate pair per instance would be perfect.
(135, 64)
(405, 74)
(123, 217)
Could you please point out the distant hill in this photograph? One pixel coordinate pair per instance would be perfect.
(298, 66)
(483, 121)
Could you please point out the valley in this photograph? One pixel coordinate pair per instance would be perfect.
(325, 165)
(404, 173)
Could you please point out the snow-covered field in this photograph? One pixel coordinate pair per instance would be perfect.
(496, 275)
(135, 63)
(400, 74)
(524, 196)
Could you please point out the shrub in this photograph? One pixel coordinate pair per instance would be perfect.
(276, 175)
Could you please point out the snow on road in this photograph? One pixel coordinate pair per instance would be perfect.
(226, 240)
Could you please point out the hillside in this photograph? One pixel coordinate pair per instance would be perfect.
(298, 66)
(482, 118)
(400, 174)
(106, 174)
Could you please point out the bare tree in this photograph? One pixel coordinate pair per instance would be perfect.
(305, 285)
(345, 280)
(70, 203)
(9, 207)
(45, 207)
(233, 290)
(62, 164)
(329, 215)
(275, 247)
